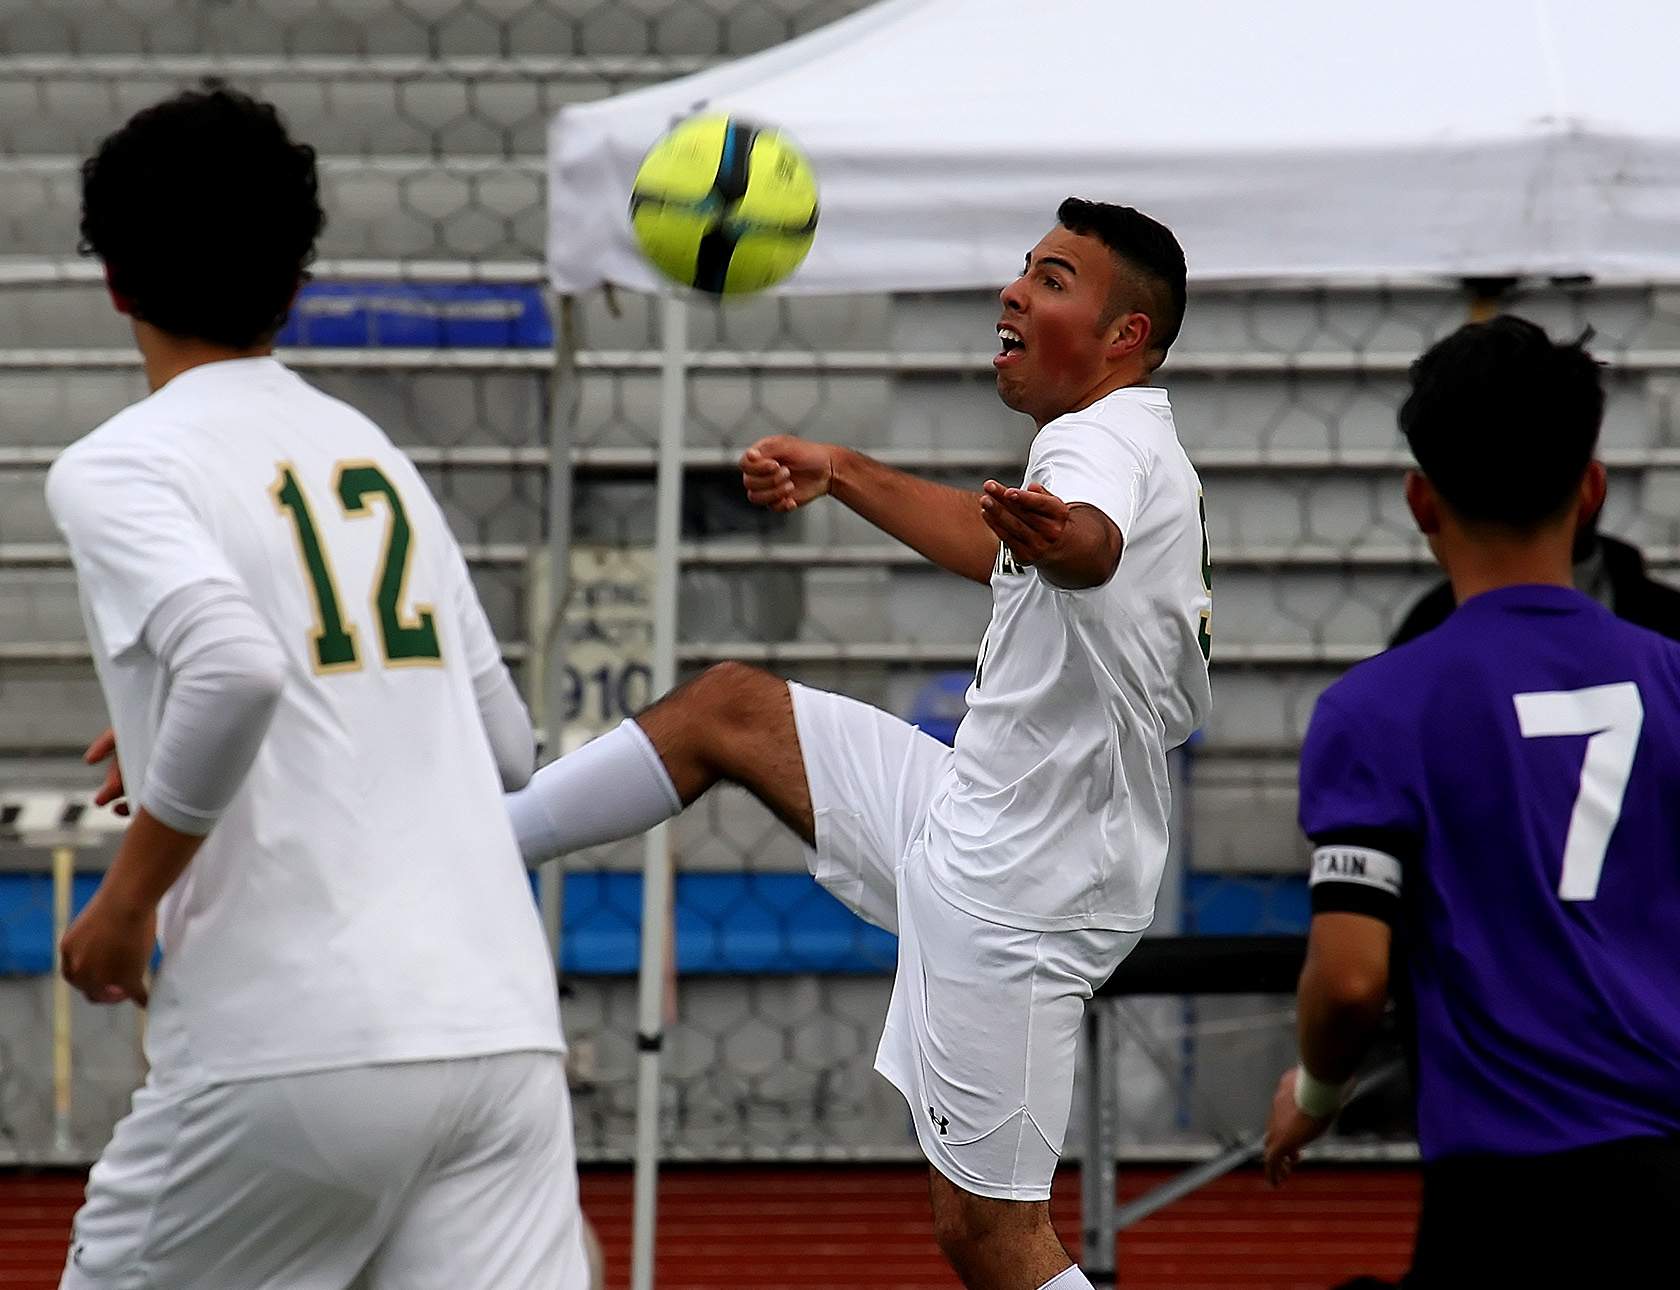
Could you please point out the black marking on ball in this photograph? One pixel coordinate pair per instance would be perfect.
(731, 182)
(711, 264)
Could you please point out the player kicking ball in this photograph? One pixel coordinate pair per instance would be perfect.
(355, 1052)
(1020, 867)
(1500, 800)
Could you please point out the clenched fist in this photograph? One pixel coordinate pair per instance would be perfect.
(783, 473)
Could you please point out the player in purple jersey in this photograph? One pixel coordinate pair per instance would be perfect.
(1499, 800)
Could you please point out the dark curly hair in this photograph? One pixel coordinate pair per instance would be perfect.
(205, 213)
(1149, 248)
(1504, 420)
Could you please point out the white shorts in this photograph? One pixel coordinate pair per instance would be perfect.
(984, 1020)
(443, 1175)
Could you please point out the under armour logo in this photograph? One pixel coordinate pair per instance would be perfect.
(939, 1120)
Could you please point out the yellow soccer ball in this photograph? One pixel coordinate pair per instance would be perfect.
(724, 206)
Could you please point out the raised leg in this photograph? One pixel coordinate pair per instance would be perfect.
(734, 722)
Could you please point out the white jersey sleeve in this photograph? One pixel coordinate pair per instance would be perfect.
(226, 674)
(507, 722)
(479, 647)
(134, 536)
(1083, 465)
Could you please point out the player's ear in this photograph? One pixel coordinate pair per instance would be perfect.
(1593, 486)
(1424, 502)
(1129, 334)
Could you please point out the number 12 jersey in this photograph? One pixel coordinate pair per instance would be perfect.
(361, 900)
(1505, 790)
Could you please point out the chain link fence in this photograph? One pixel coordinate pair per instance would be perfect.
(431, 119)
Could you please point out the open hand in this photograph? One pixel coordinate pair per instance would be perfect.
(783, 473)
(112, 790)
(1029, 521)
(1288, 1130)
(106, 952)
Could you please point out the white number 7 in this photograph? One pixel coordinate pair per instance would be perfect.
(1613, 716)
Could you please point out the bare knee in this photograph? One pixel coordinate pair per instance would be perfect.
(702, 699)
(736, 692)
(718, 725)
(724, 700)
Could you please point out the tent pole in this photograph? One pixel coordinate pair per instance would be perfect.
(656, 864)
(63, 887)
(546, 689)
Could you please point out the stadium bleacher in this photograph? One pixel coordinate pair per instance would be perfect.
(431, 120)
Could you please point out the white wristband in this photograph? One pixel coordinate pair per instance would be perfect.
(1316, 1097)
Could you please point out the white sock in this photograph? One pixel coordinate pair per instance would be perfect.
(613, 787)
(1068, 1279)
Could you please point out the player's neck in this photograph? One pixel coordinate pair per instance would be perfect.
(1132, 374)
(167, 356)
(1478, 563)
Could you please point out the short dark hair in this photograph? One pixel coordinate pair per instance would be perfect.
(1145, 246)
(1503, 420)
(205, 213)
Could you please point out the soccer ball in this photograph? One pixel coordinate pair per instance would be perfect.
(724, 206)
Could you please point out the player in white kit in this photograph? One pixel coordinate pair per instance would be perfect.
(356, 1061)
(1021, 866)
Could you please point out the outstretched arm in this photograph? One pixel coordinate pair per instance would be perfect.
(942, 523)
(1072, 547)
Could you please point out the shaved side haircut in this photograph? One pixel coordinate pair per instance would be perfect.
(1152, 281)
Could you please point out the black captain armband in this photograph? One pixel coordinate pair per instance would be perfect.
(1358, 873)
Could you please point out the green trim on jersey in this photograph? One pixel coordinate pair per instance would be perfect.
(407, 641)
(333, 642)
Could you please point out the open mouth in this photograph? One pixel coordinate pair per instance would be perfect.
(1009, 341)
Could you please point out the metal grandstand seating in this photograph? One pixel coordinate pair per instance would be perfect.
(431, 118)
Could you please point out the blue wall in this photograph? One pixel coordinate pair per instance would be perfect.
(26, 901)
(1246, 904)
(725, 922)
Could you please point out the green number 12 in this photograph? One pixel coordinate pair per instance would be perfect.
(405, 640)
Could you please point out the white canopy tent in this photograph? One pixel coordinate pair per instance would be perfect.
(1306, 138)
(1302, 139)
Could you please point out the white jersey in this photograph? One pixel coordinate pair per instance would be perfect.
(1055, 812)
(362, 899)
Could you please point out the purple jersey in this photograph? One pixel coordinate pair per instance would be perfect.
(1506, 790)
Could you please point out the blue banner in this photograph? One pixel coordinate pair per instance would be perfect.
(767, 923)
(433, 315)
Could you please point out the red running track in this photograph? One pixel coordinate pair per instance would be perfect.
(867, 1228)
